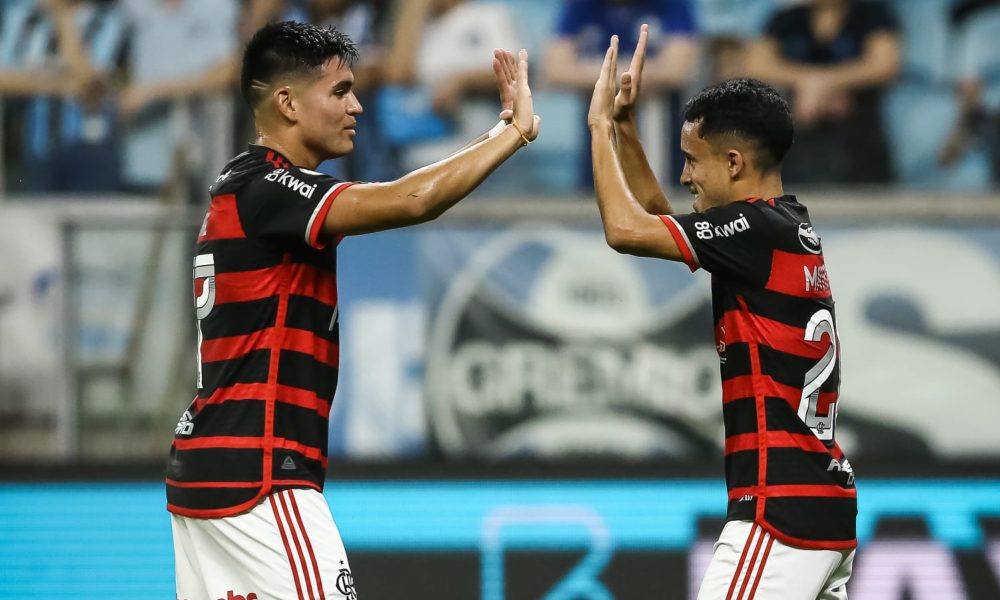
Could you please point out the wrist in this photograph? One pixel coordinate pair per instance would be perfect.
(603, 124)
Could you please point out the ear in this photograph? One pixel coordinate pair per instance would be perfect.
(735, 163)
(284, 103)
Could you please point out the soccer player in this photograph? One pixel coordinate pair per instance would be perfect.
(790, 531)
(248, 461)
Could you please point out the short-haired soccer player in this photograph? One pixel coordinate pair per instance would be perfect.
(790, 531)
(248, 461)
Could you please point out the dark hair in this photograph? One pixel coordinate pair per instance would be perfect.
(292, 48)
(749, 109)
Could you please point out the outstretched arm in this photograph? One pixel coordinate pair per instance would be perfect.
(426, 193)
(628, 228)
(639, 175)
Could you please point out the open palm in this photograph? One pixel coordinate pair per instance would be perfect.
(628, 94)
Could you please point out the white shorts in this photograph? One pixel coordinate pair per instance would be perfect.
(285, 548)
(750, 564)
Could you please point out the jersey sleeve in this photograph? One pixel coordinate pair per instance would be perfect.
(289, 203)
(733, 241)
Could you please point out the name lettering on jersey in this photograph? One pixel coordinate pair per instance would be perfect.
(292, 182)
(816, 278)
(705, 231)
(809, 239)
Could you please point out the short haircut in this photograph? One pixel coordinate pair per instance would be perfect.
(289, 48)
(748, 109)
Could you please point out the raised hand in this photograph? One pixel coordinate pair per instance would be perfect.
(602, 103)
(523, 108)
(505, 70)
(628, 95)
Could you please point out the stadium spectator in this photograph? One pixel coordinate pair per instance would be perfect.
(976, 26)
(573, 58)
(441, 90)
(181, 51)
(834, 56)
(57, 61)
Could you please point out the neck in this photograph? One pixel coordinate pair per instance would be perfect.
(765, 185)
(299, 155)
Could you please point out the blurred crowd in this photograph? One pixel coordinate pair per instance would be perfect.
(108, 95)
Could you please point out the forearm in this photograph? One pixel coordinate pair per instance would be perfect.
(864, 72)
(27, 83)
(214, 79)
(878, 65)
(618, 207)
(636, 170)
(578, 76)
(410, 19)
(422, 195)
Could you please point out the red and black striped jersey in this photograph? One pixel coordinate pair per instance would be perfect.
(265, 287)
(776, 334)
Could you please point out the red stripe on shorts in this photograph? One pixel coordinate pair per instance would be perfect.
(288, 549)
(309, 548)
(760, 571)
(298, 547)
(739, 566)
(753, 562)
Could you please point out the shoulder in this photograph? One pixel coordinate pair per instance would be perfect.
(288, 181)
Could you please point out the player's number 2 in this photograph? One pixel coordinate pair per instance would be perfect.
(204, 301)
(819, 325)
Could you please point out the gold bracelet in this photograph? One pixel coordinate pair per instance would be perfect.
(524, 138)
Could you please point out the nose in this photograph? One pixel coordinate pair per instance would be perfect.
(355, 108)
(686, 174)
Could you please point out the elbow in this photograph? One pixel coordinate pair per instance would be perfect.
(620, 239)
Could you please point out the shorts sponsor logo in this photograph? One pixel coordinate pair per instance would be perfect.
(809, 239)
(345, 584)
(705, 231)
(288, 464)
(292, 182)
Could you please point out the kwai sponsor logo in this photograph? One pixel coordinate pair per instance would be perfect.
(705, 231)
(285, 178)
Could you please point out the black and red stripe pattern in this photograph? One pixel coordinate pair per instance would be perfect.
(265, 285)
(780, 363)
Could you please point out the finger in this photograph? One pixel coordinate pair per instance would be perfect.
(606, 65)
(639, 58)
(522, 65)
(511, 65)
(626, 82)
(613, 75)
(506, 114)
(536, 124)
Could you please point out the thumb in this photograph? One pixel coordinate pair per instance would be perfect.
(626, 80)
